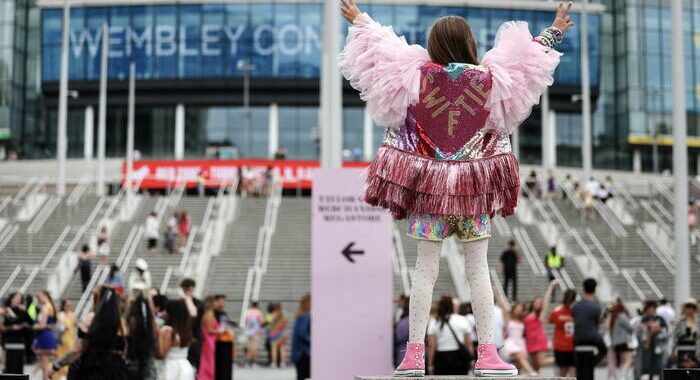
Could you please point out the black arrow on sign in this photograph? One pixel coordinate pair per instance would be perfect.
(348, 252)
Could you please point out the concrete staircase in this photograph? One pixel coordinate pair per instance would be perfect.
(229, 270)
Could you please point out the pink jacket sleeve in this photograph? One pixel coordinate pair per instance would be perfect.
(521, 70)
(384, 68)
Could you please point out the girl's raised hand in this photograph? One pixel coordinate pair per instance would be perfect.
(562, 21)
(349, 10)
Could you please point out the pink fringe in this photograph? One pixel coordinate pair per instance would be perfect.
(521, 70)
(384, 68)
(407, 183)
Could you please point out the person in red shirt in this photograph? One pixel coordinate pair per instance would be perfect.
(564, 335)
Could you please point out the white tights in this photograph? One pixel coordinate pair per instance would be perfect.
(426, 273)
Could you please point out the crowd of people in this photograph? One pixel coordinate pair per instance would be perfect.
(585, 334)
(588, 193)
(135, 332)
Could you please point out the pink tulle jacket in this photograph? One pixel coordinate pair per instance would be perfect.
(446, 150)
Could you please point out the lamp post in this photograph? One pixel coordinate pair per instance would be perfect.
(244, 66)
(62, 138)
(680, 159)
(586, 146)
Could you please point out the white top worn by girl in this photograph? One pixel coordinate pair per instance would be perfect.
(444, 339)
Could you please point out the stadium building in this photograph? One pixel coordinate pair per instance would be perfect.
(189, 89)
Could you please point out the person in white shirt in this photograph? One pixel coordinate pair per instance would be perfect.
(665, 311)
(140, 277)
(592, 185)
(450, 346)
(152, 231)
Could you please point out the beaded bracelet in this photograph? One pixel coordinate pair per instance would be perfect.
(550, 37)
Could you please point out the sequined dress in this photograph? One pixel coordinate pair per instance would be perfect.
(446, 161)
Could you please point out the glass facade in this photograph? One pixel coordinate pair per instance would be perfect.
(636, 80)
(19, 62)
(280, 39)
(630, 66)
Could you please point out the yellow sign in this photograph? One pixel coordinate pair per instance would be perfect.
(662, 140)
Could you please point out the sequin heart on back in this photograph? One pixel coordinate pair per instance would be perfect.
(451, 107)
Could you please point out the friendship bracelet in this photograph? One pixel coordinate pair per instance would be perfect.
(550, 37)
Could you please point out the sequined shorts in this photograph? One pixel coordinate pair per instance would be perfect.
(440, 227)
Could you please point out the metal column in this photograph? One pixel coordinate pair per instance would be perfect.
(102, 113)
(62, 138)
(88, 133)
(130, 128)
(180, 131)
(586, 146)
(273, 141)
(331, 120)
(680, 160)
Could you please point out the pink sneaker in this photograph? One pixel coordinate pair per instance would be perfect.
(413, 364)
(489, 364)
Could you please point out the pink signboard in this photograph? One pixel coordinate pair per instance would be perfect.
(351, 269)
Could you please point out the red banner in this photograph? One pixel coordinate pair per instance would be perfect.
(159, 174)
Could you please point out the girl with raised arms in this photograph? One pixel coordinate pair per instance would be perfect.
(446, 162)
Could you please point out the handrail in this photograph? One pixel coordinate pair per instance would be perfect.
(262, 249)
(201, 266)
(58, 271)
(38, 268)
(29, 279)
(274, 200)
(78, 191)
(23, 190)
(651, 283)
(135, 241)
(559, 216)
(132, 241)
(502, 226)
(518, 234)
(626, 195)
(566, 278)
(662, 210)
(188, 250)
(8, 235)
(43, 215)
(4, 203)
(632, 284)
(87, 294)
(603, 251)
(572, 196)
(166, 280)
(208, 211)
(125, 248)
(611, 220)
(10, 280)
(662, 190)
(656, 249)
(54, 248)
(657, 218)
